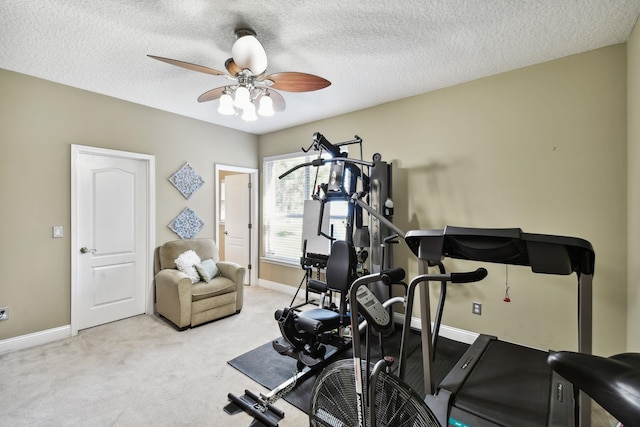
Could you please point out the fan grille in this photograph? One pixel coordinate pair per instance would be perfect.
(333, 401)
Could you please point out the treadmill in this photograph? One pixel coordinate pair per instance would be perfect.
(497, 383)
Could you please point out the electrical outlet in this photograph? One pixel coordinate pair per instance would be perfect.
(4, 313)
(476, 308)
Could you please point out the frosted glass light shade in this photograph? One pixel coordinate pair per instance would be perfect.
(248, 53)
(249, 113)
(266, 106)
(243, 97)
(226, 105)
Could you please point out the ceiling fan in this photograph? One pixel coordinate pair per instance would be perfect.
(247, 70)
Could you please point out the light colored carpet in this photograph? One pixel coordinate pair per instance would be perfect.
(141, 371)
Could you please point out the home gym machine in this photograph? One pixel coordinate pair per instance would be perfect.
(349, 179)
(316, 336)
(346, 182)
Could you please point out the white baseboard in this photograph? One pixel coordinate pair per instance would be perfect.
(450, 332)
(460, 335)
(34, 339)
(279, 287)
(456, 334)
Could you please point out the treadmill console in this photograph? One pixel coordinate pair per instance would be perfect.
(543, 253)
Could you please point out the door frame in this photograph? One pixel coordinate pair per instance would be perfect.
(76, 151)
(253, 235)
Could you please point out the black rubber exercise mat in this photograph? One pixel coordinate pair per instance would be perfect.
(270, 369)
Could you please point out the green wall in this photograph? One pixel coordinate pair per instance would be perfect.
(39, 120)
(542, 148)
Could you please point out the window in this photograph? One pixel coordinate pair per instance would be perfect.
(283, 205)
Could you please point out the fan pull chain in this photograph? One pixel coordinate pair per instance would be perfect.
(506, 284)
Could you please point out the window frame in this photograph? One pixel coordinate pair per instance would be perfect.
(270, 180)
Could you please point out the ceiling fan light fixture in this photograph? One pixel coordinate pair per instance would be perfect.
(226, 104)
(252, 88)
(266, 106)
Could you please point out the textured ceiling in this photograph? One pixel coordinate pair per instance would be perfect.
(372, 52)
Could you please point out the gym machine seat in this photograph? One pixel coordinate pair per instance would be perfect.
(305, 334)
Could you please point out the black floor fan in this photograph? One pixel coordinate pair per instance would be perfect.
(334, 400)
(342, 397)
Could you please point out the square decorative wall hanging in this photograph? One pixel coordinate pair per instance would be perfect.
(186, 180)
(187, 224)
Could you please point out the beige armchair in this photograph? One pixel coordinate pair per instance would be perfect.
(188, 304)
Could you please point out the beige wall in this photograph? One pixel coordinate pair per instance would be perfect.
(541, 148)
(39, 121)
(633, 126)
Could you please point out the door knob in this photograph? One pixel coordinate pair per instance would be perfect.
(85, 250)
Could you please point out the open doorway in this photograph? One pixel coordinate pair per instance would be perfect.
(237, 231)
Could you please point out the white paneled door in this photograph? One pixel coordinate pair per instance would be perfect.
(111, 237)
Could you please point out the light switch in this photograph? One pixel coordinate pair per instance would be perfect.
(57, 231)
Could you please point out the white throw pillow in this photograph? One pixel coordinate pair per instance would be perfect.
(186, 263)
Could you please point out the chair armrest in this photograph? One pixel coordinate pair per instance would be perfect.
(173, 296)
(232, 271)
(237, 273)
(170, 274)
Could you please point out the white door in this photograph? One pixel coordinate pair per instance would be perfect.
(237, 222)
(111, 237)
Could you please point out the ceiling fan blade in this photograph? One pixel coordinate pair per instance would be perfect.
(212, 94)
(278, 101)
(297, 82)
(189, 66)
(232, 67)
